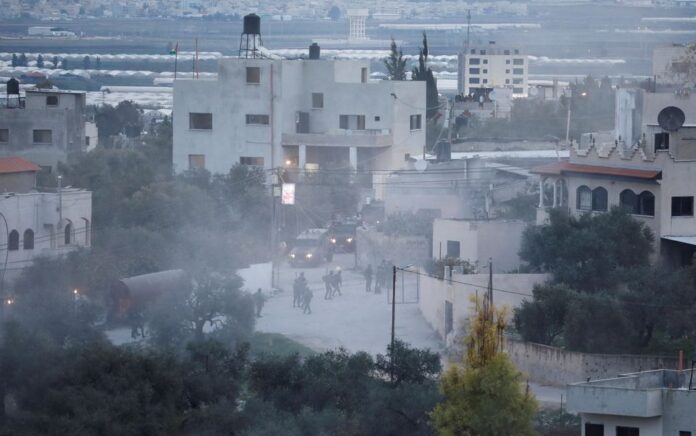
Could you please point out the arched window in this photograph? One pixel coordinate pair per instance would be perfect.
(646, 203)
(13, 241)
(629, 201)
(68, 233)
(584, 198)
(28, 239)
(599, 199)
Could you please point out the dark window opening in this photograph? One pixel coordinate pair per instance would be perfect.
(257, 119)
(363, 75)
(317, 100)
(28, 239)
(682, 206)
(662, 141)
(453, 249)
(196, 161)
(474, 61)
(378, 118)
(4, 135)
(253, 75)
(351, 122)
(627, 431)
(684, 433)
(200, 121)
(13, 241)
(594, 429)
(474, 80)
(68, 234)
(43, 136)
(253, 161)
(583, 198)
(474, 70)
(415, 122)
(518, 61)
(599, 199)
(52, 100)
(517, 71)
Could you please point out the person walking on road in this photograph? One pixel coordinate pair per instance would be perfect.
(336, 284)
(259, 301)
(368, 278)
(297, 290)
(306, 299)
(328, 284)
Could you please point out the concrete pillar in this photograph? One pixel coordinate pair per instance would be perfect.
(541, 192)
(301, 156)
(555, 193)
(353, 158)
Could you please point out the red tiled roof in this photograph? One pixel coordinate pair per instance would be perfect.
(558, 168)
(9, 165)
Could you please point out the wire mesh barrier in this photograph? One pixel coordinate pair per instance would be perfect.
(407, 287)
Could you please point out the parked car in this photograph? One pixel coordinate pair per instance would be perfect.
(311, 248)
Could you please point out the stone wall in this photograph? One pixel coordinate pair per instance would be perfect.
(373, 247)
(555, 366)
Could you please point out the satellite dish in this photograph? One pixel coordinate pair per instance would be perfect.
(421, 165)
(671, 118)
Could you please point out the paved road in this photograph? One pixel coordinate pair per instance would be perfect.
(356, 320)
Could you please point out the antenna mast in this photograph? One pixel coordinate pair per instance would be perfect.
(468, 29)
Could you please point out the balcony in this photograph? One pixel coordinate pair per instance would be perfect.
(341, 138)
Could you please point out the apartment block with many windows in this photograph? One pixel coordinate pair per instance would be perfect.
(493, 66)
(303, 114)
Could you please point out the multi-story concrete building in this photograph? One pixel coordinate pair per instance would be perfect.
(303, 113)
(39, 223)
(491, 66)
(43, 126)
(653, 175)
(649, 403)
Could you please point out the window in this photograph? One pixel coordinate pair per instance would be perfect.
(474, 70)
(253, 75)
(474, 61)
(473, 51)
(253, 161)
(518, 71)
(485, 80)
(646, 203)
(43, 136)
(483, 52)
(507, 61)
(4, 135)
(474, 80)
(453, 249)
(363, 75)
(682, 206)
(662, 141)
(415, 122)
(599, 199)
(317, 100)
(87, 141)
(52, 100)
(485, 71)
(351, 122)
(28, 239)
(485, 61)
(518, 61)
(196, 161)
(378, 118)
(507, 52)
(594, 429)
(507, 71)
(684, 433)
(67, 237)
(507, 81)
(627, 431)
(517, 51)
(584, 198)
(518, 90)
(200, 121)
(13, 241)
(629, 201)
(257, 119)
(517, 81)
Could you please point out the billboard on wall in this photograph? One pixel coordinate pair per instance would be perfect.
(288, 193)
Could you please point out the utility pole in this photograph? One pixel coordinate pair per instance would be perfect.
(60, 202)
(393, 325)
(275, 188)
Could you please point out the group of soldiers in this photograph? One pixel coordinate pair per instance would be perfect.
(382, 276)
(301, 294)
(332, 283)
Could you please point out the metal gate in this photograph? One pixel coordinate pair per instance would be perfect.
(407, 286)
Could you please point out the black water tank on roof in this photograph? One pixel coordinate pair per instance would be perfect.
(314, 51)
(13, 87)
(252, 24)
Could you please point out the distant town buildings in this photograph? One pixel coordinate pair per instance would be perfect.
(39, 223)
(669, 64)
(493, 66)
(43, 126)
(649, 403)
(302, 114)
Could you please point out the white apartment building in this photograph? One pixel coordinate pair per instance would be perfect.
(302, 113)
(39, 223)
(654, 177)
(648, 403)
(491, 66)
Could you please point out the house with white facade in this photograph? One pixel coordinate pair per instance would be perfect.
(648, 403)
(39, 223)
(653, 174)
(493, 66)
(302, 114)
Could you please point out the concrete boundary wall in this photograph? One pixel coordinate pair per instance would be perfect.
(555, 366)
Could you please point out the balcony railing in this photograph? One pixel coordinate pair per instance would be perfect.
(341, 138)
